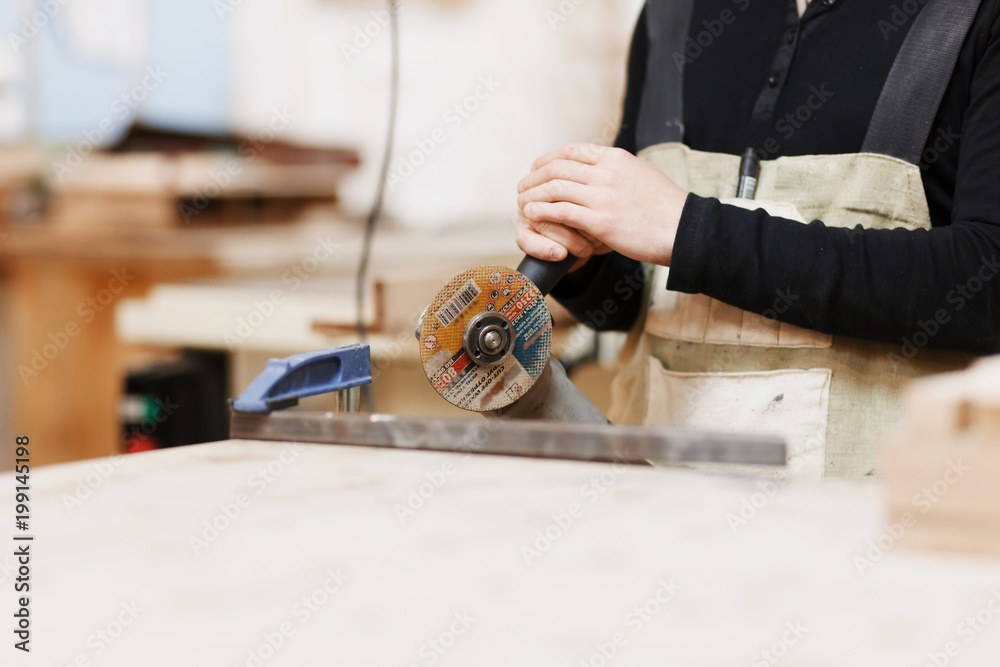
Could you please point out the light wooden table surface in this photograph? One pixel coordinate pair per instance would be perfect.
(451, 584)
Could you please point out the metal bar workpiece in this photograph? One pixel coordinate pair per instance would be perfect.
(544, 439)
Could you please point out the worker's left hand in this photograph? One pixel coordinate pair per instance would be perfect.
(605, 194)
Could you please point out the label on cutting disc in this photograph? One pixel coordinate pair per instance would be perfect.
(451, 371)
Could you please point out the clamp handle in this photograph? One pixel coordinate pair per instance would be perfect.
(285, 381)
(543, 273)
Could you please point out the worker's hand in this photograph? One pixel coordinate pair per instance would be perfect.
(591, 199)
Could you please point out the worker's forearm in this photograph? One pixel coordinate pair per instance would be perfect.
(876, 284)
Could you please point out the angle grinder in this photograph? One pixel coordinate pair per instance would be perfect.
(485, 344)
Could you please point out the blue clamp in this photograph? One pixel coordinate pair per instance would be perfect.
(285, 381)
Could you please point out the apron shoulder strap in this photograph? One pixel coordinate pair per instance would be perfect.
(661, 110)
(912, 94)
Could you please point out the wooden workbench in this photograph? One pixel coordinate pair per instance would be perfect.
(314, 558)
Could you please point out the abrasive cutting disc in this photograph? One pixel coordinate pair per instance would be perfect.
(459, 379)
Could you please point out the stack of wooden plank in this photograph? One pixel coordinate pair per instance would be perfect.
(943, 464)
(155, 178)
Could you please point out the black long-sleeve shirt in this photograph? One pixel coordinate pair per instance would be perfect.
(875, 284)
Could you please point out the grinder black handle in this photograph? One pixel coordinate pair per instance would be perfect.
(543, 273)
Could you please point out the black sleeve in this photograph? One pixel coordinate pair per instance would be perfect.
(602, 284)
(605, 294)
(935, 288)
(877, 284)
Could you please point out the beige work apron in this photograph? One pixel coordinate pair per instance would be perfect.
(696, 362)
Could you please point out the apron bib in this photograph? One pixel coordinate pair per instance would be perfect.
(695, 362)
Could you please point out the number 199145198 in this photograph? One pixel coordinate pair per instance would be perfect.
(22, 470)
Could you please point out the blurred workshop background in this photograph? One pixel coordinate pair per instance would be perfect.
(185, 183)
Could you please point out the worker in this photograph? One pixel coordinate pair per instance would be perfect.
(869, 255)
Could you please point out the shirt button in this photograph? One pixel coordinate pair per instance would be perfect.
(829, 3)
(772, 80)
(790, 37)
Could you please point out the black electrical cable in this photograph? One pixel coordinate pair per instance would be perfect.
(376, 212)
